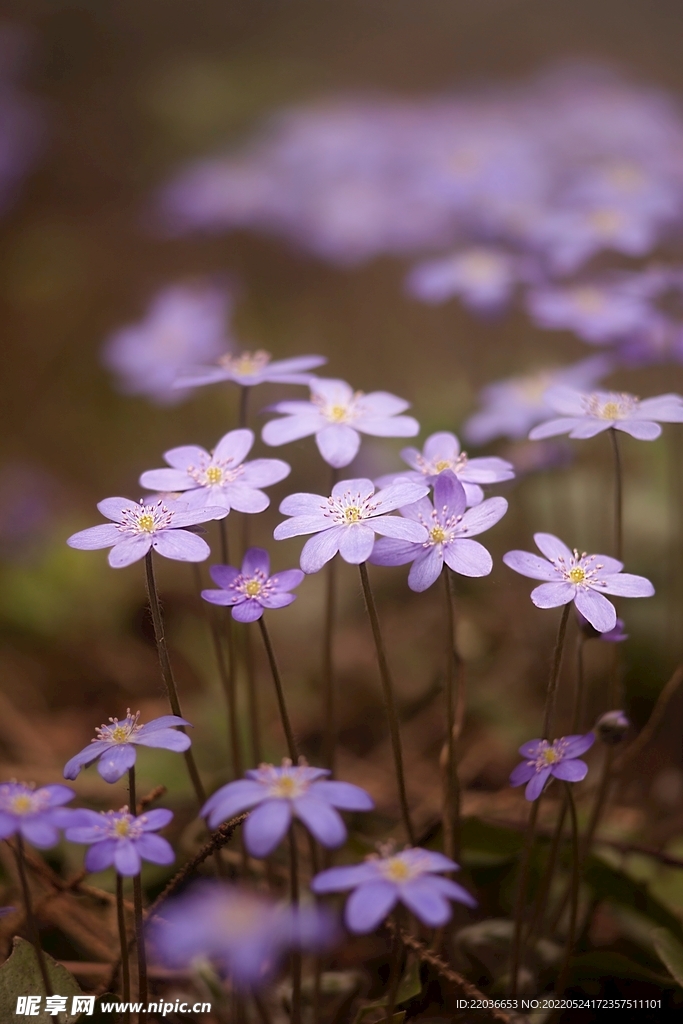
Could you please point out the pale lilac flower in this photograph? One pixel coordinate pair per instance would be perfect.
(584, 415)
(597, 312)
(280, 794)
(251, 368)
(337, 415)
(544, 761)
(442, 451)
(484, 278)
(219, 478)
(511, 407)
(348, 520)
(252, 589)
(36, 814)
(244, 934)
(449, 525)
(121, 840)
(410, 877)
(114, 746)
(581, 578)
(137, 527)
(183, 326)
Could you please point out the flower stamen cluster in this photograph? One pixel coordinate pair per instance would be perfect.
(145, 518)
(613, 406)
(246, 364)
(119, 732)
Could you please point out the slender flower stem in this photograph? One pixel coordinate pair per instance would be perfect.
(137, 905)
(578, 712)
(454, 682)
(286, 724)
(30, 917)
(388, 691)
(243, 415)
(618, 497)
(541, 902)
(252, 699)
(574, 899)
(296, 956)
(167, 671)
(555, 672)
(520, 901)
(330, 738)
(394, 970)
(123, 942)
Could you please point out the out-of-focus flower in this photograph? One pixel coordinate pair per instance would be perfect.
(337, 415)
(252, 589)
(612, 727)
(243, 933)
(483, 277)
(584, 415)
(449, 525)
(36, 814)
(348, 520)
(581, 578)
(597, 312)
(184, 325)
(279, 794)
(137, 527)
(219, 478)
(119, 839)
(545, 760)
(513, 406)
(612, 636)
(114, 747)
(410, 877)
(442, 451)
(251, 368)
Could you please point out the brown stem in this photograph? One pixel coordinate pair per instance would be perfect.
(330, 740)
(574, 904)
(296, 956)
(123, 942)
(137, 905)
(555, 671)
(454, 673)
(578, 712)
(618, 497)
(520, 901)
(252, 699)
(389, 701)
(30, 918)
(286, 724)
(394, 971)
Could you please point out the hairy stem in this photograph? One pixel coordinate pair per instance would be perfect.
(555, 672)
(30, 917)
(454, 681)
(520, 901)
(618, 497)
(296, 956)
(123, 942)
(284, 716)
(390, 703)
(137, 904)
(394, 971)
(574, 897)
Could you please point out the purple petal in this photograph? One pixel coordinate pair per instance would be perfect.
(367, 907)
(232, 799)
(166, 739)
(531, 748)
(588, 428)
(116, 762)
(552, 547)
(155, 819)
(468, 557)
(426, 569)
(358, 485)
(535, 786)
(449, 494)
(197, 515)
(114, 508)
(256, 560)
(95, 537)
(438, 447)
(243, 498)
(320, 549)
(554, 427)
(40, 833)
(162, 722)
(100, 855)
(665, 408)
(277, 600)
(418, 511)
(383, 403)
(224, 575)
(265, 472)
(321, 820)
(291, 428)
(388, 551)
(126, 858)
(473, 493)
(343, 878)
(58, 794)
(226, 598)
(266, 826)
(167, 480)
(552, 595)
(530, 565)
(400, 529)
(235, 446)
(624, 584)
(181, 546)
(8, 825)
(248, 610)
(297, 526)
(186, 455)
(483, 516)
(597, 609)
(426, 902)
(487, 471)
(576, 745)
(155, 849)
(565, 399)
(356, 543)
(447, 887)
(642, 430)
(522, 773)
(428, 860)
(343, 795)
(570, 770)
(398, 494)
(287, 580)
(391, 426)
(129, 550)
(338, 444)
(85, 757)
(303, 504)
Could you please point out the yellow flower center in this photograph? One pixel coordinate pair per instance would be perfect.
(22, 804)
(146, 522)
(480, 267)
(122, 827)
(252, 588)
(577, 574)
(247, 364)
(437, 534)
(550, 755)
(337, 413)
(610, 411)
(285, 786)
(397, 870)
(441, 465)
(606, 221)
(626, 177)
(588, 300)
(214, 475)
(119, 734)
(352, 514)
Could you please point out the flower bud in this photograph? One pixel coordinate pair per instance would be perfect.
(612, 727)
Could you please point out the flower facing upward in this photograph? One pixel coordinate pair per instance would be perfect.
(120, 839)
(581, 578)
(545, 760)
(36, 814)
(115, 744)
(280, 793)
(441, 452)
(220, 478)
(597, 312)
(483, 277)
(410, 877)
(337, 416)
(449, 525)
(252, 589)
(137, 527)
(348, 520)
(251, 368)
(585, 415)
(243, 933)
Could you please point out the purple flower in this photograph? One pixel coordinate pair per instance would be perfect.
(184, 325)
(569, 237)
(598, 313)
(442, 451)
(244, 933)
(585, 415)
(119, 839)
(483, 277)
(36, 814)
(348, 520)
(544, 760)
(583, 579)
(410, 877)
(612, 636)
(513, 406)
(220, 478)
(137, 527)
(115, 744)
(278, 794)
(250, 591)
(449, 525)
(336, 414)
(251, 368)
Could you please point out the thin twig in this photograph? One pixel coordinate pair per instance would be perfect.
(277, 680)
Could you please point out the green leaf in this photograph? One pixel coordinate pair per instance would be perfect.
(409, 987)
(616, 886)
(20, 976)
(670, 952)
